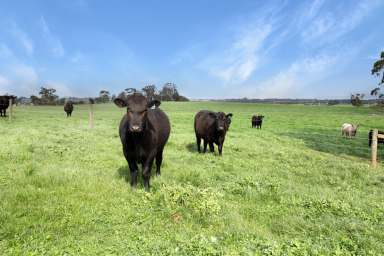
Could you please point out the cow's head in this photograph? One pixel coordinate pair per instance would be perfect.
(354, 130)
(137, 107)
(223, 121)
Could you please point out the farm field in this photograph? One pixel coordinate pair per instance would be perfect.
(296, 187)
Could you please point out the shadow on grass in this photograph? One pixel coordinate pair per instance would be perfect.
(334, 143)
(123, 173)
(192, 147)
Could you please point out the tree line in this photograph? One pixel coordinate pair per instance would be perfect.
(48, 96)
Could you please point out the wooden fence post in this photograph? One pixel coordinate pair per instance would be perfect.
(374, 148)
(10, 109)
(91, 116)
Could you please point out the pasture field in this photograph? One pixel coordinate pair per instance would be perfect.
(293, 188)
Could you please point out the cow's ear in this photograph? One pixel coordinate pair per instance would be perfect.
(229, 115)
(152, 103)
(121, 103)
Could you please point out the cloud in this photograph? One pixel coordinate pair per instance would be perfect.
(62, 89)
(21, 80)
(292, 81)
(22, 38)
(55, 45)
(332, 25)
(4, 84)
(25, 79)
(241, 58)
(77, 57)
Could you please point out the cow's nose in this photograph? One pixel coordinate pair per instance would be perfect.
(221, 128)
(135, 128)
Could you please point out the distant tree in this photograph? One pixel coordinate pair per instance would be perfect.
(182, 98)
(378, 70)
(113, 97)
(357, 99)
(169, 92)
(61, 101)
(35, 100)
(333, 102)
(104, 96)
(150, 91)
(48, 96)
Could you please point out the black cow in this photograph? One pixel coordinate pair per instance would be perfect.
(379, 140)
(68, 108)
(212, 128)
(257, 121)
(4, 104)
(144, 131)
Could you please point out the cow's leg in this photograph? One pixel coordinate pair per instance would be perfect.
(132, 166)
(220, 146)
(147, 175)
(211, 147)
(134, 171)
(4, 112)
(159, 160)
(198, 141)
(147, 166)
(205, 145)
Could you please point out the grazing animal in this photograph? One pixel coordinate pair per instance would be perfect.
(379, 140)
(144, 131)
(349, 130)
(4, 104)
(212, 128)
(257, 121)
(68, 108)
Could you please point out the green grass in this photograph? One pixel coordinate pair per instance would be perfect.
(293, 188)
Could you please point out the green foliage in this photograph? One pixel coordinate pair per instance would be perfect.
(104, 97)
(357, 99)
(293, 188)
(378, 70)
(47, 97)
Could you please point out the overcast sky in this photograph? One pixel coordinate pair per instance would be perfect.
(209, 48)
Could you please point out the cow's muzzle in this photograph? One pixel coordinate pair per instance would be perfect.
(135, 128)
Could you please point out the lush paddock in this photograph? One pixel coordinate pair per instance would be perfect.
(294, 187)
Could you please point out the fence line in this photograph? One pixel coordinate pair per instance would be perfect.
(338, 138)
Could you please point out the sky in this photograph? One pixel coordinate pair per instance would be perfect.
(211, 49)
